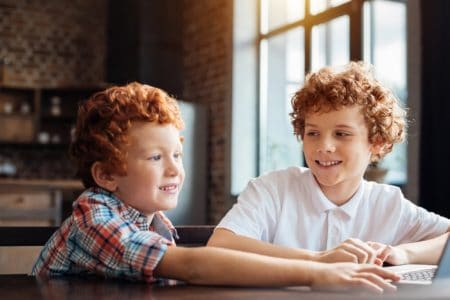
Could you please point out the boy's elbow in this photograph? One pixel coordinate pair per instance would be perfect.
(191, 272)
(220, 238)
(180, 263)
(213, 241)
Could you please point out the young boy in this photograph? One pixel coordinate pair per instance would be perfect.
(128, 151)
(346, 120)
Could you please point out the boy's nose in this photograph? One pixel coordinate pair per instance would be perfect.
(326, 146)
(172, 168)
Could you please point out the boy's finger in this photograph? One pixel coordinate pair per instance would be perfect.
(379, 281)
(385, 253)
(363, 283)
(361, 255)
(369, 254)
(384, 273)
(378, 261)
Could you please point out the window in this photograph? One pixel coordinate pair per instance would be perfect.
(330, 44)
(385, 48)
(281, 72)
(294, 37)
(318, 6)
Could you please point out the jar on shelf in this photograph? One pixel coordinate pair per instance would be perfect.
(56, 139)
(25, 108)
(55, 108)
(8, 108)
(43, 137)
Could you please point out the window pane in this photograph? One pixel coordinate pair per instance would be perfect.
(276, 13)
(385, 48)
(282, 72)
(244, 139)
(317, 6)
(330, 45)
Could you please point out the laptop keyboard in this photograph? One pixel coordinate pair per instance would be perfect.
(420, 275)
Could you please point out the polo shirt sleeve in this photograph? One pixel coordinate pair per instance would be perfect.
(255, 213)
(112, 246)
(419, 224)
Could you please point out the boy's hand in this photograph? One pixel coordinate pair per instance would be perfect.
(345, 276)
(390, 254)
(351, 250)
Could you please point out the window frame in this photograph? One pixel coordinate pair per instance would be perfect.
(353, 9)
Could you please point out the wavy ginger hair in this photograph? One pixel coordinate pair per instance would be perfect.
(103, 122)
(329, 89)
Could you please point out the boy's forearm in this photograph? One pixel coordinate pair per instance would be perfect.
(217, 266)
(425, 252)
(227, 239)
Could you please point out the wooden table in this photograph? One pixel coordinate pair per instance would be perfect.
(26, 287)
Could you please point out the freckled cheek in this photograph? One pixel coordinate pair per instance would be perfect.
(307, 150)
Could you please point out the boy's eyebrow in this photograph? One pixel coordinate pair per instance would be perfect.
(345, 126)
(338, 126)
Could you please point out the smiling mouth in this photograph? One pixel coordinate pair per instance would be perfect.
(328, 163)
(171, 188)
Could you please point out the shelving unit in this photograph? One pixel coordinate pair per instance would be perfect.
(35, 132)
(40, 115)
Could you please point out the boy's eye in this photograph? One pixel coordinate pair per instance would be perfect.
(178, 155)
(155, 157)
(312, 133)
(342, 134)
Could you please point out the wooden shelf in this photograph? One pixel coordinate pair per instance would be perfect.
(62, 118)
(29, 214)
(40, 184)
(36, 145)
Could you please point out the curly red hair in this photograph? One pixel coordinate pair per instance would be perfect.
(329, 89)
(104, 120)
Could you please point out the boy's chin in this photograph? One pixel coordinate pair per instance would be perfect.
(324, 180)
(171, 204)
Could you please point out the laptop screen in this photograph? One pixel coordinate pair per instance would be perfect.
(443, 270)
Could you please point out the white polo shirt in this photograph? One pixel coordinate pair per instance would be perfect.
(287, 207)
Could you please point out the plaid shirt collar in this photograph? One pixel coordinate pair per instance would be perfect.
(159, 224)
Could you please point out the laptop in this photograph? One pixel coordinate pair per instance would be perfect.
(425, 274)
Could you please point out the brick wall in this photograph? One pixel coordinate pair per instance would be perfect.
(207, 66)
(63, 42)
(53, 42)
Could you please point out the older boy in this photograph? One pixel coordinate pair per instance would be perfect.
(129, 155)
(346, 120)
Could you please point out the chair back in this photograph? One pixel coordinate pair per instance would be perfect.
(190, 235)
(23, 244)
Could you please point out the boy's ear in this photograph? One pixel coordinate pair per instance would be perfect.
(102, 178)
(377, 148)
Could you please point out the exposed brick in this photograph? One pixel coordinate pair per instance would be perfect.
(63, 42)
(43, 35)
(207, 53)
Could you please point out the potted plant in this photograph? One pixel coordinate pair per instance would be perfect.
(375, 172)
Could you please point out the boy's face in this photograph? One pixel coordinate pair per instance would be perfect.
(337, 148)
(155, 172)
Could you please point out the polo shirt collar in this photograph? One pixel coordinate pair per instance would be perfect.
(322, 204)
(351, 207)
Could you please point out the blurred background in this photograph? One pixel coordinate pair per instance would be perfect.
(234, 64)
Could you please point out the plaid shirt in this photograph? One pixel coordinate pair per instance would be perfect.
(106, 237)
